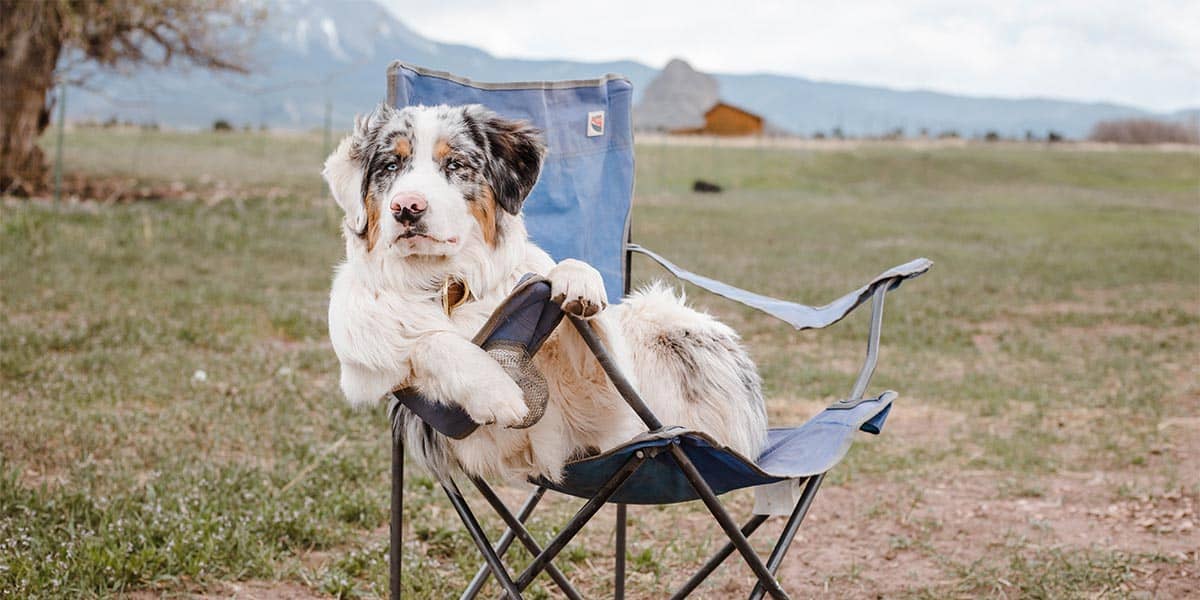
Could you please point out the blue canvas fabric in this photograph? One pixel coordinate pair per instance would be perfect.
(790, 453)
(580, 205)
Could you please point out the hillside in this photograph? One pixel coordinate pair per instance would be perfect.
(314, 53)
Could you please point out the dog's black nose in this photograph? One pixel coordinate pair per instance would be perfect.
(408, 207)
(408, 216)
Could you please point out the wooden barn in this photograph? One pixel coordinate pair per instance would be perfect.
(727, 119)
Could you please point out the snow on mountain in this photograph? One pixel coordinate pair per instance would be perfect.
(312, 54)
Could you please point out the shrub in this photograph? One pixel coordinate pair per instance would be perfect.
(222, 125)
(1144, 131)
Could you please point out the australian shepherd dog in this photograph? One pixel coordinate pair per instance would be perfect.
(435, 241)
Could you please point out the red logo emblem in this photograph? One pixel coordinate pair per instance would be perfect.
(595, 123)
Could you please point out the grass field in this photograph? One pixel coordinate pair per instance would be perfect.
(171, 423)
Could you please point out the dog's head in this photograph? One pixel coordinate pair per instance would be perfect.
(426, 181)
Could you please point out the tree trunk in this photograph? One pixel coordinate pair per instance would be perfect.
(29, 50)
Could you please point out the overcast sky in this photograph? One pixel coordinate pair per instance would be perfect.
(1140, 52)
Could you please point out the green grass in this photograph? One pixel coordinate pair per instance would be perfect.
(1060, 324)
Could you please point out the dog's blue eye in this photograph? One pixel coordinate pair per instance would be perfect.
(454, 165)
(393, 167)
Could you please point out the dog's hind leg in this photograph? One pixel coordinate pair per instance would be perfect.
(693, 369)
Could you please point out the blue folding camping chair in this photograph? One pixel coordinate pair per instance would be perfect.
(580, 208)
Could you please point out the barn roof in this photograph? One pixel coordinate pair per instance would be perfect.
(721, 103)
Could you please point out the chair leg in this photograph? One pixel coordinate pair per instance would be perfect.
(396, 533)
(619, 557)
(522, 534)
(480, 538)
(691, 584)
(789, 530)
(506, 540)
(765, 577)
(585, 513)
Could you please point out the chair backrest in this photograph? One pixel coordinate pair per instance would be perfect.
(581, 204)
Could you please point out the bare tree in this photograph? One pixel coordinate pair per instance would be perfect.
(42, 39)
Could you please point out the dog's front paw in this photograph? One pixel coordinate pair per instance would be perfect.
(501, 402)
(578, 287)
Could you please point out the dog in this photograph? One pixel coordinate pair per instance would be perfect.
(435, 240)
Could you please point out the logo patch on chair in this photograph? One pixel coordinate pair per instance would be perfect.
(595, 123)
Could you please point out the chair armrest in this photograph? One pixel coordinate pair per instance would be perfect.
(797, 315)
(525, 319)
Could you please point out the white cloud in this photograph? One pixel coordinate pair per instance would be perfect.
(1141, 53)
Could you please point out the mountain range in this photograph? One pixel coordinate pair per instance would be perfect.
(315, 57)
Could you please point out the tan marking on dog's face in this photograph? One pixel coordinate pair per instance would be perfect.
(403, 148)
(483, 208)
(441, 150)
(372, 208)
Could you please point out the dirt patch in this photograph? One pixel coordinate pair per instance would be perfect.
(262, 590)
(869, 540)
(239, 590)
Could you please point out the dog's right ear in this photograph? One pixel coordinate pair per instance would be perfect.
(344, 171)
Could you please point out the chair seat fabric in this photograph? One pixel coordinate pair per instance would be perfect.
(790, 453)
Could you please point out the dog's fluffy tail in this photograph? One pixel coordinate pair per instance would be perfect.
(692, 369)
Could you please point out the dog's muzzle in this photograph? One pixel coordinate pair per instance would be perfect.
(516, 361)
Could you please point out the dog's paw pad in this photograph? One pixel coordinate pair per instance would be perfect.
(582, 307)
(578, 288)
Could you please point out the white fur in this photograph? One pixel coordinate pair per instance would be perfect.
(389, 330)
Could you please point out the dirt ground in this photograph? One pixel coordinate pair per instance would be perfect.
(850, 547)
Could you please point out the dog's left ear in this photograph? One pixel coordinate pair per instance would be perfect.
(514, 155)
(344, 171)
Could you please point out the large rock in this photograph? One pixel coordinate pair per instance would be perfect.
(676, 99)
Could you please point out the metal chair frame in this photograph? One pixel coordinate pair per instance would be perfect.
(544, 555)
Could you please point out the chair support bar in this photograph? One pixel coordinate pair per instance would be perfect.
(789, 530)
(619, 554)
(717, 559)
(868, 368)
(481, 542)
(765, 577)
(396, 529)
(585, 513)
(515, 526)
(506, 540)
